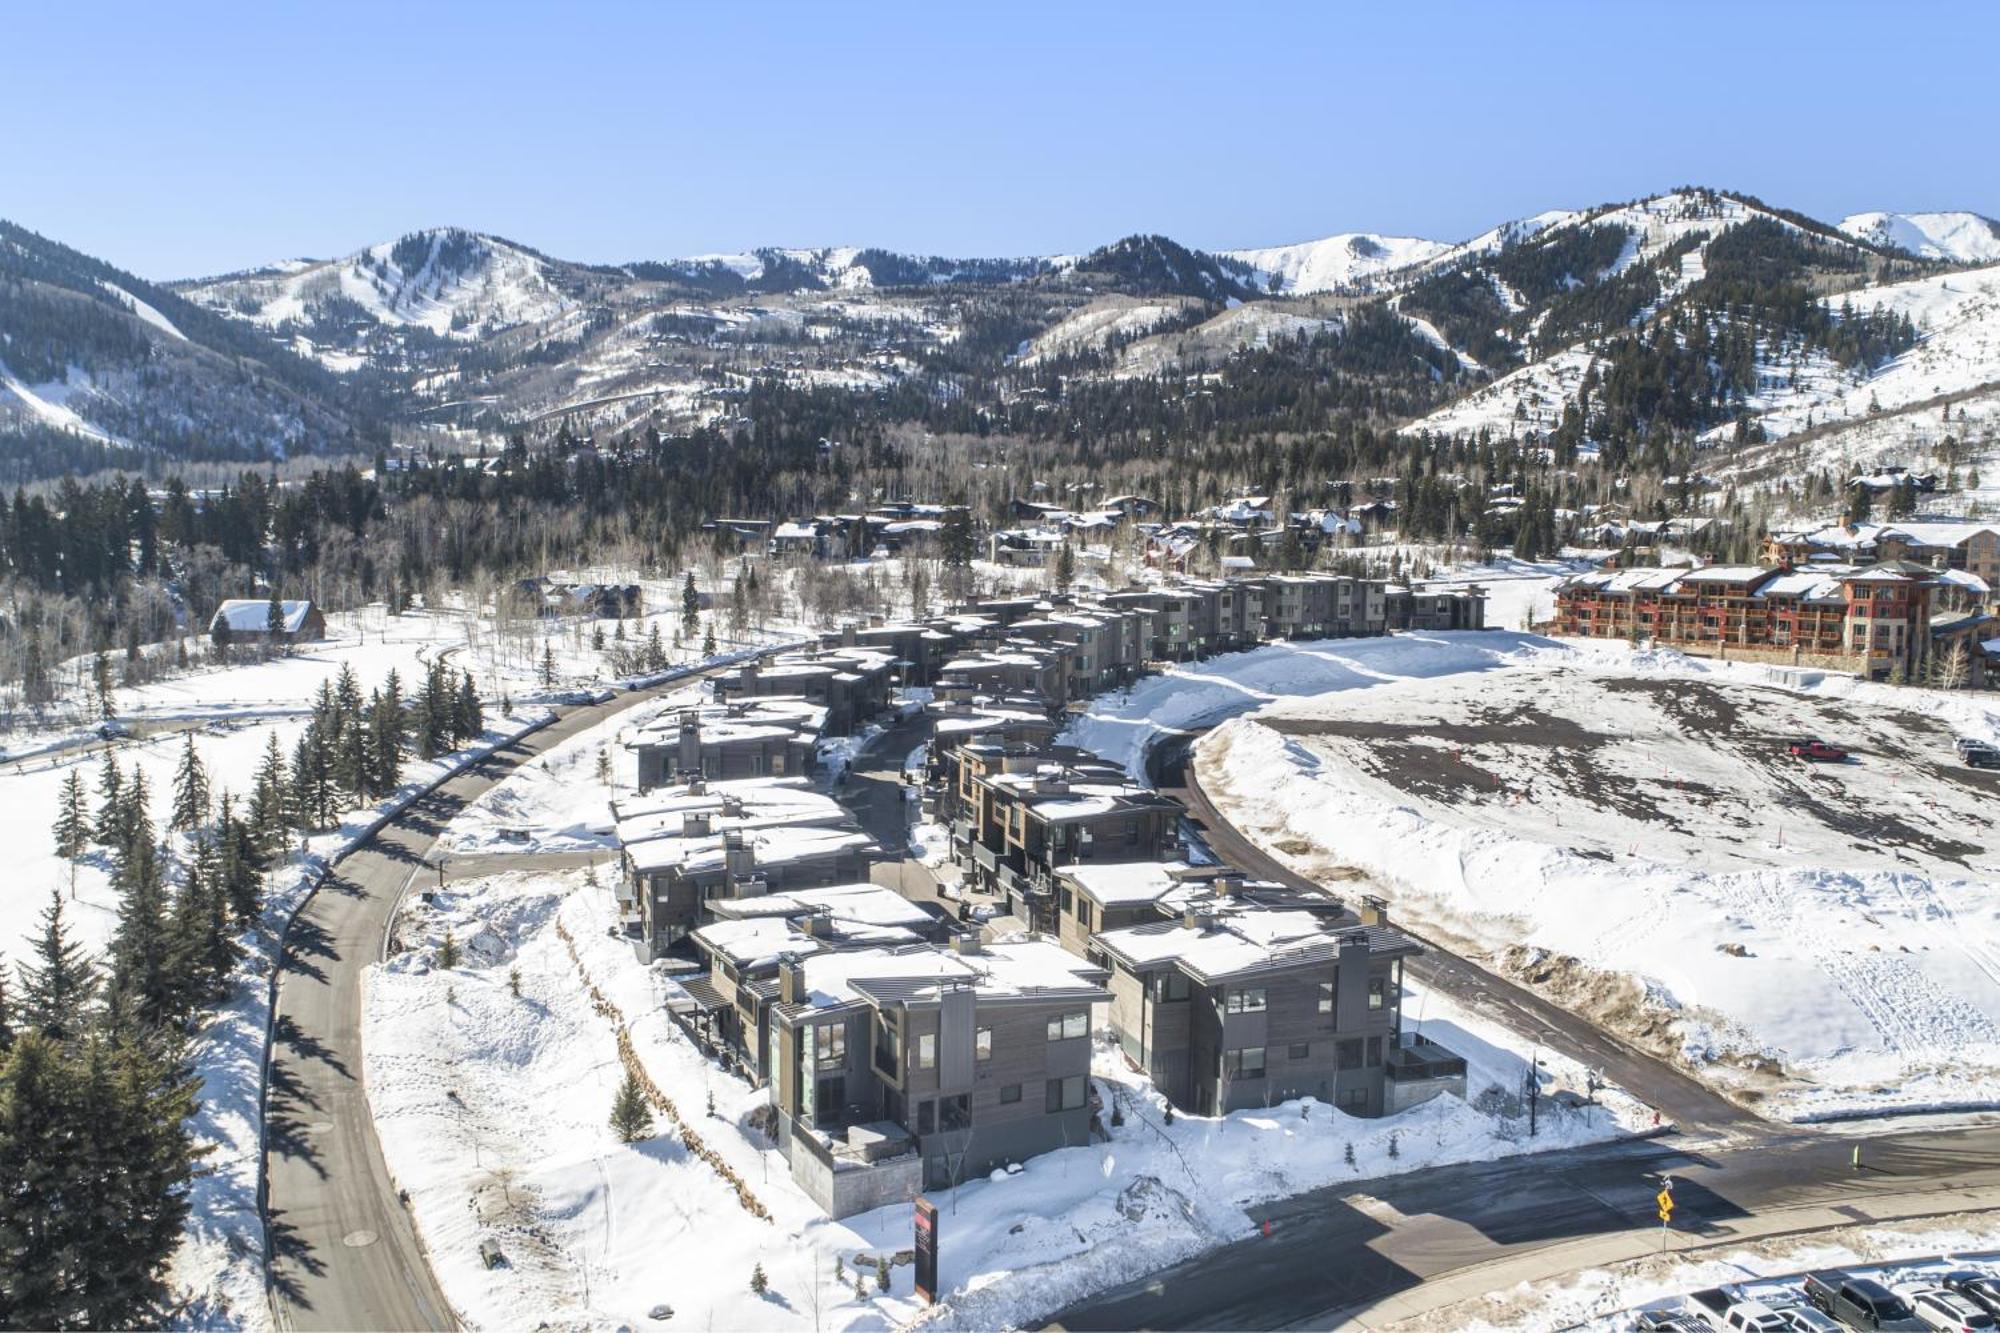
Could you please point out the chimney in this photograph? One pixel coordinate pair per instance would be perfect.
(732, 806)
(697, 785)
(791, 979)
(816, 924)
(739, 857)
(1374, 910)
(1228, 886)
(875, 621)
(690, 742)
(967, 943)
(747, 677)
(1196, 919)
(849, 635)
(695, 824)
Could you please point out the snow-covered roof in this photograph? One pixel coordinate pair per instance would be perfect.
(1126, 884)
(770, 845)
(1728, 574)
(249, 615)
(1027, 970)
(1966, 579)
(1247, 939)
(858, 904)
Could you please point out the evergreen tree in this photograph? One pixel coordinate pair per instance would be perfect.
(447, 954)
(759, 1284)
(656, 652)
(110, 801)
(708, 640)
(385, 737)
(274, 622)
(471, 713)
(548, 671)
(142, 993)
(267, 796)
(135, 820)
(1065, 566)
(631, 1115)
(57, 990)
(100, 675)
(190, 810)
(242, 866)
(690, 599)
(72, 827)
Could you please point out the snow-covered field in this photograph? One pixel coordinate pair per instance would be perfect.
(1614, 827)
(598, 1233)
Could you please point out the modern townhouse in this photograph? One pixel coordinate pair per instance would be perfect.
(678, 854)
(727, 1008)
(898, 1070)
(767, 736)
(852, 684)
(1234, 1003)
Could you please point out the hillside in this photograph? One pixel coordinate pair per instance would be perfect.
(96, 362)
(1958, 238)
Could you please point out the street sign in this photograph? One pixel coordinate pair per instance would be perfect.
(1666, 1216)
(927, 1250)
(1665, 1198)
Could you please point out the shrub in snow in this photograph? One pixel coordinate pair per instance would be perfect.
(758, 1282)
(1347, 1152)
(1394, 1150)
(514, 981)
(882, 1273)
(860, 1288)
(447, 954)
(840, 1270)
(631, 1117)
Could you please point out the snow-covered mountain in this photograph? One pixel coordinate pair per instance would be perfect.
(1334, 262)
(1959, 238)
(454, 283)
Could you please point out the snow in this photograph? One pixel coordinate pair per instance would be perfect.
(1334, 262)
(523, 1154)
(1961, 238)
(251, 615)
(142, 310)
(1093, 326)
(1530, 399)
(49, 403)
(1825, 939)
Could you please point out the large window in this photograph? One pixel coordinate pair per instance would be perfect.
(1083, 913)
(1066, 1094)
(982, 1044)
(888, 1046)
(1170, 985)
(927, 1050)
(1247, 1062)
(1063, 1027)
(954, 1113)
(1350, 1053)
(1009, 1093)
(830, 1045)
(1378, 992)
(1326, 997)
(1245, 1000)
(1298, 1050)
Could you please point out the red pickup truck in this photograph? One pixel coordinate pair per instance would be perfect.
(1816, 751)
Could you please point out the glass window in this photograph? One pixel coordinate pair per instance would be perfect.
(888, 1046)
(830, 1045)
(1064, 1027)
(1068, 901)
(1378, 992)
(1374, 1051)
(1326, 997)
(1245, 1063)
(926, 1117)
(927, 1050)
(1350, 1053)
(1299, 1050)
(1065, 1094)
(1246, 1000)
(1010, 1093)
(954, 1113)
(982, 1044)
(1083, 914)
(1170, 985)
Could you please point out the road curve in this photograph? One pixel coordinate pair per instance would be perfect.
(342, 1251)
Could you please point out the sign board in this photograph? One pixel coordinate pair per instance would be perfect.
(1665, 1199)
(927, 1250)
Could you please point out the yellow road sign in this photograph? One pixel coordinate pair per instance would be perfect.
(1665, 1199)
(1666, 1214)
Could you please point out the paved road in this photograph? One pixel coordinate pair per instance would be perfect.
(1679, 1098)
(1359, 1254)
(343, 1252)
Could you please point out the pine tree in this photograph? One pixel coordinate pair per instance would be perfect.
(759, 1284)
(690, 599)
(72, 827)
(447, 954)
(882, 1273)
(631, 1115)
(708, 640)
(190, 809)
(100, 674)
(135, 818)
(242, 867)
(274, 623)
(110, 801)
(141, 991)
(56, 991)
(471, 713)
(267, 796)
(656, 652)
(1065, 566)
(548, 665)
(604, 767)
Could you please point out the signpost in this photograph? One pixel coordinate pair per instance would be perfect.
(927, 1249)
(1665, 1198)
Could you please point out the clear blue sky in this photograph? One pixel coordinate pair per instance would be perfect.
(186, 138)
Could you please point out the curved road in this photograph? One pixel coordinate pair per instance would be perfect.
(342, 1251)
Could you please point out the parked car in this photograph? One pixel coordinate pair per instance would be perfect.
(1805, 1319)
(1981, 756)
(1861, 1302)
(1947, 1311)
(1726, 1314)
(1816, 751)
(1669, 1321)
(1981, 1288)
(1964, 743)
